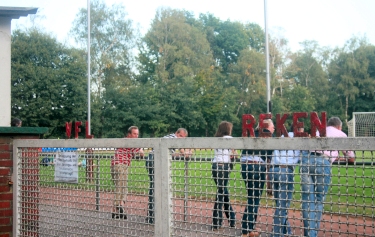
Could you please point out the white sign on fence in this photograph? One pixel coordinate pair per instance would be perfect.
(66, 167)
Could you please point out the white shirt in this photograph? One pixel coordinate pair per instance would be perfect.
(286, 157)
(222, 155)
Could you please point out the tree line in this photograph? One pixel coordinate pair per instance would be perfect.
(185, 71)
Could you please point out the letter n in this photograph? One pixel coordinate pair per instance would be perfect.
(317, 124)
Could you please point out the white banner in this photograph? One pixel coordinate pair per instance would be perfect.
(66, 167)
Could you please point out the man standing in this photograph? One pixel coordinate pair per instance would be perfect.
(119, 172)
(281, 175)
(180, 133)
(316, 178)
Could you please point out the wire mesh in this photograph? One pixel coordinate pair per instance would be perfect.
(208, 198)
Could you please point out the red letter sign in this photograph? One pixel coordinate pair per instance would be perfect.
(68, 129)
(77, 129)
(248, 128)
(87, 131)
(316, 124)
(280, 127)
(297, 124)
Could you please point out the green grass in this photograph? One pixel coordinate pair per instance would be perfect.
(351, 190)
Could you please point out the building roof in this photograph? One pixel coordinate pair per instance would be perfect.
(17, 12)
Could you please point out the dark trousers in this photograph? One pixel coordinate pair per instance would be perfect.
(254, 176)
(220, 174)
(150, 169)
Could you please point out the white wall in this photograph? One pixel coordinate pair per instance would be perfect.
(5, 45)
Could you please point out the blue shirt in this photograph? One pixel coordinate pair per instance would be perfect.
(286, 157)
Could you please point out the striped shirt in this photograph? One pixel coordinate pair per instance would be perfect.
(172, 135)
(124, 155)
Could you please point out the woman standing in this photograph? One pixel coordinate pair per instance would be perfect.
(253, 171)
(220, 174)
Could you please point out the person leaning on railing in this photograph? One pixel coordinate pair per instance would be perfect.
(281, 176)
(220, 173)
(174, 153)
(315, 173)
(253, 171)
(119, 171)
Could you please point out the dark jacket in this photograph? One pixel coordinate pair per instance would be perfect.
(263, 154)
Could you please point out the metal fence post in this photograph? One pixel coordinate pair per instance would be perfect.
(186, 191)
(163, 196)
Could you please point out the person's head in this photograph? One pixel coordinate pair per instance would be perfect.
(270, 127)
(301, 129)
(16, 122)
(335, 122)
(133, 132)
(181, 133)
(224, 129)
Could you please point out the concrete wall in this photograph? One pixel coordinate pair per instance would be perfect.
(5, 55)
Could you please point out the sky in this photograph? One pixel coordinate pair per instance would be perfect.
(329, 22)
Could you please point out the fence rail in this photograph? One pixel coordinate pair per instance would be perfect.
(184, 190)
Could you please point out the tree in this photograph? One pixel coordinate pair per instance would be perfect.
(48, 82)
(349, 72)
(112, 41)
(173, 53)
(278, 53)
(306, 69)
(248, 79)
(227, 39)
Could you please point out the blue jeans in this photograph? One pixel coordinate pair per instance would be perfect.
(220, 174)
(254, 176)
(150, 169)
(315, 180)
(282, 185)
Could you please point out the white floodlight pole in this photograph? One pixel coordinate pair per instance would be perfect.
(267, 59)
(88, 71)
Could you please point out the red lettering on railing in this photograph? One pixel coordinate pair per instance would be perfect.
(68, 129)
(280, 127)
(248, 128)
(87, 131)
(297, 124)
(77, 129)
(316, 124)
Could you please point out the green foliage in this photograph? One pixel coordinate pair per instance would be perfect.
(227, 39)
(189, 72)
(112, 40)
(351, 75)
(48, 82)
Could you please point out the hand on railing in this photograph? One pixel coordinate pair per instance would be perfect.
(182, 154)
(186, 153)
(269, 188)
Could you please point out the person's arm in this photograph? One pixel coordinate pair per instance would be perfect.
(233, 157)
(268, 183)
(186, 153)
(138, 153)
(349, 156)
(182, 153)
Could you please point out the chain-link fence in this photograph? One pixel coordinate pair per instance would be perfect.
(87, 188)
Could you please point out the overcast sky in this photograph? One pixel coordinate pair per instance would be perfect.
(330, 22)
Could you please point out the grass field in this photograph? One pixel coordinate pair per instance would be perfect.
(352, 189)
